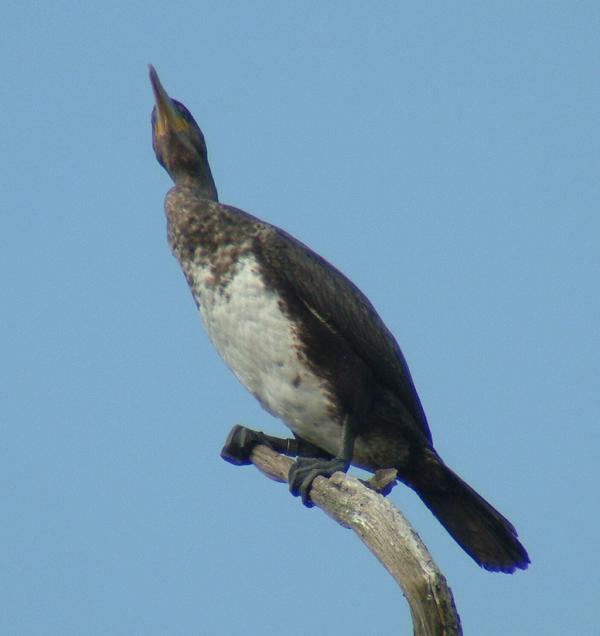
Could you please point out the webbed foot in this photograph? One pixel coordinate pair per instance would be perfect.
(242, 440)
(239, 445)
(306, 469)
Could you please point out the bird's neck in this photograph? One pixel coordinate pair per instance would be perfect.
(203, 184)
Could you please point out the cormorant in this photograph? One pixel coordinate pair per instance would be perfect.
(308, 344)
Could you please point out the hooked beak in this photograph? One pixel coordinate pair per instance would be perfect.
(168, 118)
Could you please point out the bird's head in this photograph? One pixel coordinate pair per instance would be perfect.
(177, 139)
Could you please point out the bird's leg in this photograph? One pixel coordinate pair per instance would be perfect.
(242, 440)
(306, 449)
(306, 469)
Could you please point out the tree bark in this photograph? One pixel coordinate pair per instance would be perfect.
(389, 536)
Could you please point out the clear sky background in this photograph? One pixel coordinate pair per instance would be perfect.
(445, 156)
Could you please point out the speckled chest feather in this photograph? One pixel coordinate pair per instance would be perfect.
(248, 324)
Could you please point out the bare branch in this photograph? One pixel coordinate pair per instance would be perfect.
(389, 536)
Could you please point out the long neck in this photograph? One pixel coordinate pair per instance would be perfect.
(200, 180)
(187, 163)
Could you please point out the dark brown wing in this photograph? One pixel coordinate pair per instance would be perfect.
(339, 303)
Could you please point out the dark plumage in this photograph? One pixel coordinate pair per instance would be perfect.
(311, 348)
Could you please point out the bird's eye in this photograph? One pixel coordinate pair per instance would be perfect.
(181, 108)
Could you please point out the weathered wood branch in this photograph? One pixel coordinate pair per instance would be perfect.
(389, 536)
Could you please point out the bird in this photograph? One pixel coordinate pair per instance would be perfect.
(311, 348)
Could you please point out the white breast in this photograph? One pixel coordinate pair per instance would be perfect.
(259, 344)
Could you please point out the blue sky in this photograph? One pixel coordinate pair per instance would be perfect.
(444, 155)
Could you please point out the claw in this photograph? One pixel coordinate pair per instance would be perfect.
(306, 470)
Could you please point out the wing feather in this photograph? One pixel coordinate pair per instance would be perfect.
(339, 303)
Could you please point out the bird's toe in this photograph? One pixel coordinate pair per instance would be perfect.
(239, 445)
(306, 469)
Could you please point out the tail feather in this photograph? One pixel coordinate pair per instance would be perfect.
(483, 533)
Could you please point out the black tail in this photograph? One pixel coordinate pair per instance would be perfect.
(481, 531)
